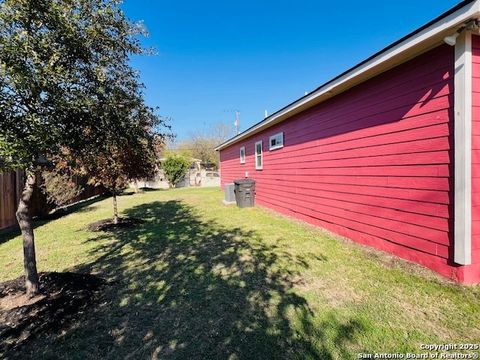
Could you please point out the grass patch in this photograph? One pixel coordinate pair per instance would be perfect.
(201, 280)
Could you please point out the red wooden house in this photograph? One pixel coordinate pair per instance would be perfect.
(387, 153)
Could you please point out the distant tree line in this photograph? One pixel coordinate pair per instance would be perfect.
(201, 145)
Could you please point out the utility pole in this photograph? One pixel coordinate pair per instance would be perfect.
(237, 122)
(237, 118)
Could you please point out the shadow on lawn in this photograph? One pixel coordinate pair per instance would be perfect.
(183, 288)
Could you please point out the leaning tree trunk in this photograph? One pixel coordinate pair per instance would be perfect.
(115, 208)
(24, 219)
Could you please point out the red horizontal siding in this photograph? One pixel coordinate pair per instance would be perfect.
(353, 141)
(415, 207)
(311, 188)
(437, 263)
(355, 214)
(476, 152)
(368, 225)
(374, 163)
(413, 171)
(354, 122)
(415, 183)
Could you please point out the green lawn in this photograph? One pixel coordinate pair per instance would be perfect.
(201, 280)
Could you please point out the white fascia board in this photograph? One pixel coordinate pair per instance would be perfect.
(413, 46)
(463, 150)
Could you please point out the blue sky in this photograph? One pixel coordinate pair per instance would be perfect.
(215, 57)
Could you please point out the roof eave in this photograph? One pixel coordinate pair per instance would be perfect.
(415, 43)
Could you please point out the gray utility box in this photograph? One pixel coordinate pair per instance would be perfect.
(245, 192)
(229, 193)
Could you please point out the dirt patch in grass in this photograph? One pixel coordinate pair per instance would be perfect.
(336, 292)
(108, 224)
(63, 296)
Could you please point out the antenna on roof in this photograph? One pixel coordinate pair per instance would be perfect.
(266, 113)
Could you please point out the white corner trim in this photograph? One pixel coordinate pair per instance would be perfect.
(463, 149)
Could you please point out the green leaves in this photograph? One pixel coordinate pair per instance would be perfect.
(63, 71)
(175, 168)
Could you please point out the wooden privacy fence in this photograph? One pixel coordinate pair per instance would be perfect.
(11, 186)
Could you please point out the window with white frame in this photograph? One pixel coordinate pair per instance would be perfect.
(276, 141)
(259, 155)
(242, 155)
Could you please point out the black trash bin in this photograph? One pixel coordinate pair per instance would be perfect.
(245, 192)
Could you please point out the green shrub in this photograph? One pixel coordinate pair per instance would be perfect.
(175, 167)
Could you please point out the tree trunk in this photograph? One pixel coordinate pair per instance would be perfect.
(115, 208)
(26, 226)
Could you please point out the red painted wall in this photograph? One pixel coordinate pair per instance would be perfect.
(475, 271)
(374, 164)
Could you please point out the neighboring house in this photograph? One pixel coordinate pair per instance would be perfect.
(198, 175)
(387, 153)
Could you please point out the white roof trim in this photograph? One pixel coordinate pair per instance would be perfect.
(401, 52)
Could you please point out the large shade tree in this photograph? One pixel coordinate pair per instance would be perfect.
(56, 59)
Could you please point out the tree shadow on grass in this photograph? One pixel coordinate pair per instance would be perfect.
(182, 288)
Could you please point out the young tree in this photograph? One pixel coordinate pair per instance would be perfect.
(127, 156)
(55, 59)
(175, 168)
